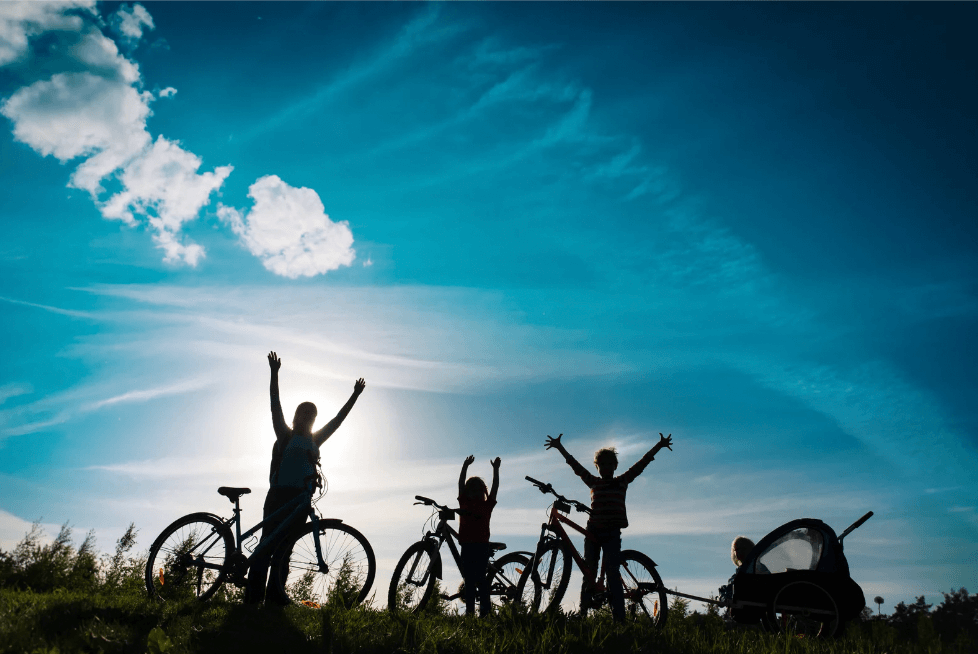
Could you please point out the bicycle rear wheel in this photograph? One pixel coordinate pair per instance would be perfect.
(349, 572)
(189, 559)
(542, 588)
(414, 579)
(645, 594)
(505, 577)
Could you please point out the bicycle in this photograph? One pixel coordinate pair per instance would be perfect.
(550, 568)
(324, 559)
(413, 583)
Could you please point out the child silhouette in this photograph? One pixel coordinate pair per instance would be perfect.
(608, 516)
(476, 503)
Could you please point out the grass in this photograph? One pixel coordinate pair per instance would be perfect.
(63, 621)
(59, 599)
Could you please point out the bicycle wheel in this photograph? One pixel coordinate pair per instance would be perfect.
(349, 572)
(506, 572)
(645, 594)
(414, 579)
(543, 588)
(189, 559)
(804, 608)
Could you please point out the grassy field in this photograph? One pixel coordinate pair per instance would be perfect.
(56, 598)
(75, 621)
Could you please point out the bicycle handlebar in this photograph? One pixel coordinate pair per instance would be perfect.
(547, 488)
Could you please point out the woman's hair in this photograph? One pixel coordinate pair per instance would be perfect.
(606, 454)
(475, 487)
(741, 545)
(306, 408)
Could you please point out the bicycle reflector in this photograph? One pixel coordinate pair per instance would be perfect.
(310, 604)
(161, 576)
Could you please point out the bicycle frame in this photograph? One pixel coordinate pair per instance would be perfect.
(554, 525)
(443, 533)
(293, 509)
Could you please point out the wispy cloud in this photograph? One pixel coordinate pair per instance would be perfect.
(64, 312)
(59, 408)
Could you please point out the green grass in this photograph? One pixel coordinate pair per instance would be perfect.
(59, 599)
(76, 621)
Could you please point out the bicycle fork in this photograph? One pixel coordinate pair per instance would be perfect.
(542, 545)
(320, 561)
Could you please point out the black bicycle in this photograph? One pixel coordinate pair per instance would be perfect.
(413, 583)
(198, 553)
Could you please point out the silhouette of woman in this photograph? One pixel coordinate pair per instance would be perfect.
(295, 457)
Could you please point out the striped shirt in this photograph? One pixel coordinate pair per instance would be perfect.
(608, 495)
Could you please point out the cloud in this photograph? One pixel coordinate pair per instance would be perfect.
(81, 114)
(288, 229)
(168, 92)
(21, 20)
(94, 108)
(130, 21)
(13, 389)
(59, 408)
(163, 184)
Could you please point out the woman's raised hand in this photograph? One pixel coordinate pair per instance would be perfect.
(274, 362)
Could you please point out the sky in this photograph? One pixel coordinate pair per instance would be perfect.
(751, 226)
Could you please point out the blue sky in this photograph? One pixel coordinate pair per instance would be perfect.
(750, 226)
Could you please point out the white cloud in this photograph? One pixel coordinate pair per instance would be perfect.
(100, 113)
(21, 20)
(81, 114)
(163, 184)
(130, 21)
(168, 92)
(288, 229)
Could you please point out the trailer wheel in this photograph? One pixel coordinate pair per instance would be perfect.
(804, 609)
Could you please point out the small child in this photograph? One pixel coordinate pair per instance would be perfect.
(476, 503)
(739, 549)
(607, 517)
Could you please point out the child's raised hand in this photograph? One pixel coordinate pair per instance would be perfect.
(274, 362)
(495, 463)
(665, 441)
(359, 385)
(553, 442)
(469, 459)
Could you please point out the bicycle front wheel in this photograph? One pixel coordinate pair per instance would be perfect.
(505, 573)
(645, 594)
(542, 588)
(414, 579)
(348, 570)
(189, 559)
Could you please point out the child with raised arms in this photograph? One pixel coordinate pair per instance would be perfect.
(608, 515)
(476, 502)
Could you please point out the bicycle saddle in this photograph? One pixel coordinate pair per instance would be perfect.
(233, 493)
(495, 547)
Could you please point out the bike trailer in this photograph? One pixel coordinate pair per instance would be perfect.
(798, 572)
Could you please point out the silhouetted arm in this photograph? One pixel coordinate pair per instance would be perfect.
(639, 467)
(578, 469)
(320, 436)
(461, 476)
(278, 419)
(495, 478)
